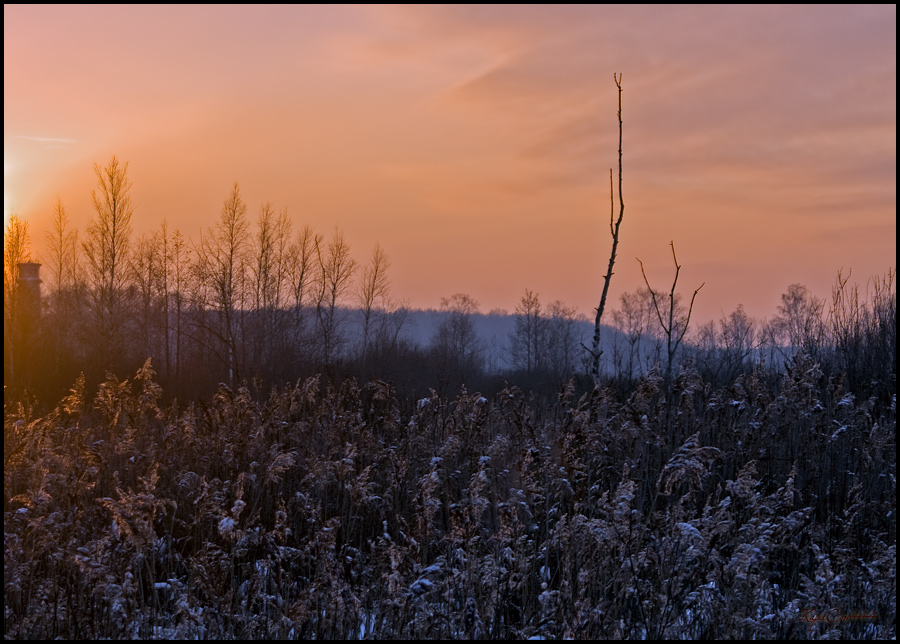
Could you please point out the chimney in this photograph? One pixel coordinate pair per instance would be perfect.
(30, 290)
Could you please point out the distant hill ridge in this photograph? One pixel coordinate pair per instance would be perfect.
(493, 329)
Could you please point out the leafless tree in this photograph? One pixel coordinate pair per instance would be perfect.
(65, 293)
(799, 323)
(722, 350)
(264, 269)
(282, 258)
(107, 250)
(738, 335)
(528, 342)
(173, 285)
(456, 346)
(562, 340)
(373, 294)
(16, 250)
(61, 250)
(335, 274)
(635, 319)
(674, 326)
(147, 268)
(302, 270)
(388, 335)
(222, 271)
(614, 231)
(269, 281)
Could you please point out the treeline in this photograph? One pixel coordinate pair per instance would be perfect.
(852, 334)
(256, 303)
(263, 304)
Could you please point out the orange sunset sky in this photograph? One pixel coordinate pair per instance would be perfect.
(474, 143)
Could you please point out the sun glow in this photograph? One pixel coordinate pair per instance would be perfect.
(7, 198)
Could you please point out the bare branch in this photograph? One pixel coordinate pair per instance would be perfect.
(690, 310)
(611, 204)
(673, 337)
(652, 294)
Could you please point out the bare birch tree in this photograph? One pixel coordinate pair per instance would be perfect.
(373, 293)
(635, 319)
(107, 250)
(264, 274)
(147, 266)
(562, 340)
(178, 285)
(264, 266)
(269, 273)
(456, 346)
(170, 293)
(336, 270)
(301, 268)
(221, 269)
(800, 320)
(721, 351)
(528, 342)
(16, 250)
(61, 250)
(61, 260)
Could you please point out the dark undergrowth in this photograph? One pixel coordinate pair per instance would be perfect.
(765, 509)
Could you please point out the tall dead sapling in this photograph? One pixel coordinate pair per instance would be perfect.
(614, 231)
(673, 329)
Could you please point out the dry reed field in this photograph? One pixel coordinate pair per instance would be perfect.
(763, 509)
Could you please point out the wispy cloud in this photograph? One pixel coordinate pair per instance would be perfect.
(50, 141)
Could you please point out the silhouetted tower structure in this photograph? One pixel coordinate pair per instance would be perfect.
(25, 314)
(29, 292)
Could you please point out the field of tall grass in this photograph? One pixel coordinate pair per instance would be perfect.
(764, 509)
